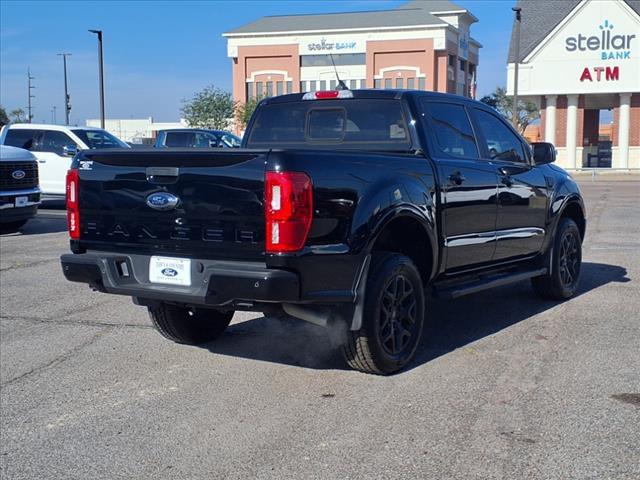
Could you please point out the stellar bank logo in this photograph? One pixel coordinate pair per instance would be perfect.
(611, 46)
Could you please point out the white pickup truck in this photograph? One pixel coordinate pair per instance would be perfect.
(55, 146)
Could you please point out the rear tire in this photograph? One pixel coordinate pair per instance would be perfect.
(562, 282)
(189, 326)
(393, 317)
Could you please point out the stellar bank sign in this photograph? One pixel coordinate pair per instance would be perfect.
(611, 46)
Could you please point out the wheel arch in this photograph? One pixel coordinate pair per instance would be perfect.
(404, 231)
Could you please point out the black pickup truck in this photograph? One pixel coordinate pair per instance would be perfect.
(347, 207)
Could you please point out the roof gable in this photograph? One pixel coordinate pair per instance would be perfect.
(539, 20)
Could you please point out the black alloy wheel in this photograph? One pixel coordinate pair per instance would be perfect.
(398, 315)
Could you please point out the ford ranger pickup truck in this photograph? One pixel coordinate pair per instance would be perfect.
(342, 207)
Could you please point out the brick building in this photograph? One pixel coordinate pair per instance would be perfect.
(580, 62)
(423, 44)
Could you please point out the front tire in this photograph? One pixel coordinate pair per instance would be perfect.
(393, 317)
(189, 326)
(562, 282)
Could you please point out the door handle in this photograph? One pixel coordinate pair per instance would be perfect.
(42, 161)
(456, 178)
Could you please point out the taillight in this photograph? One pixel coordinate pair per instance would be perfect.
(73, 208)
(327, 95)
(288, 210)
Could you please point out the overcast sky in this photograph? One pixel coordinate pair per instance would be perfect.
(160, 53)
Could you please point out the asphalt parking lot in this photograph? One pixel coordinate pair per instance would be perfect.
(506, 386)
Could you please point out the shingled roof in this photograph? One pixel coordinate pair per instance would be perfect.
(414, 13)
(539, 18)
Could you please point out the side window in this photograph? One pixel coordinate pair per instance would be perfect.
(178, 139)
(502, 143)
(54, 141)
(204, 140)
(453, 130)
(21, 138)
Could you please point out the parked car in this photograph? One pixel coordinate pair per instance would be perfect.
(196, 138)
(19, 191)
(54, 146)
(343, 207)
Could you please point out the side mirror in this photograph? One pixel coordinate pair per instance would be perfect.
(70, 150)
(543, 153)
(213, 144)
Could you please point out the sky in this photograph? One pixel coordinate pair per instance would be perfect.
(159, 53)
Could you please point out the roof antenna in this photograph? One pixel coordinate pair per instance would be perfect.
(341, 85)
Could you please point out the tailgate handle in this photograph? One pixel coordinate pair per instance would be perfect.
(163, 175)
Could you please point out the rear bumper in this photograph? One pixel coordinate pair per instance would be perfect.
(215, 283)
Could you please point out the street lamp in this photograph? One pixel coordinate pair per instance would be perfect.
(67, 99)
(101, 68)
(514, 115)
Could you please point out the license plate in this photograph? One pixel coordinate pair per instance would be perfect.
(21, 201)
(170, 271)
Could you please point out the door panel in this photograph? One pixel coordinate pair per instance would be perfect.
(522, 211)
(522, 190)
(469, 191)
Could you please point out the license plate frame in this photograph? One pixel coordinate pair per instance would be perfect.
(21, 201)
(170, 271)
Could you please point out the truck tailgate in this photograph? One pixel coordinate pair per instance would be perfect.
(126, 201)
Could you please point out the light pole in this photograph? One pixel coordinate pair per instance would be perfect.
(53, 114)
(514, 115)
(101, 68)
(29, 95)
(67, 98)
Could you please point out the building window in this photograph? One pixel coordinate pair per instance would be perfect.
(411, 83)
(377, 83)
(338, 59)
(400, 83)
(303, 86)
(463, 64)
(312, 88)
(323, 85)
(387, 83)
(289, 86)
(353, 84)
(363, 84)
(421, 84)
(249, 90)
(333, 84)
(269, 89)
(452, 61)
(279, 88)
(259, 90)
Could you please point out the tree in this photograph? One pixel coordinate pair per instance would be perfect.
(527, 111)
(17, 116)
(245, 110)
(210, 108)
(4, 118)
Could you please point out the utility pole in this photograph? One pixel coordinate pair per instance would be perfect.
(514, 116)
(67, 98)
(29, 95)
(101, 73)
(53, 114)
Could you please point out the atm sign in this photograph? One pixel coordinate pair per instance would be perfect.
(599, 74)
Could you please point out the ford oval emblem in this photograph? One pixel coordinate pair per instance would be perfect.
(162, 201)
(18, 174)
(169, 272)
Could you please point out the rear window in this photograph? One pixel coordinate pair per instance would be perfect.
(349, 124)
